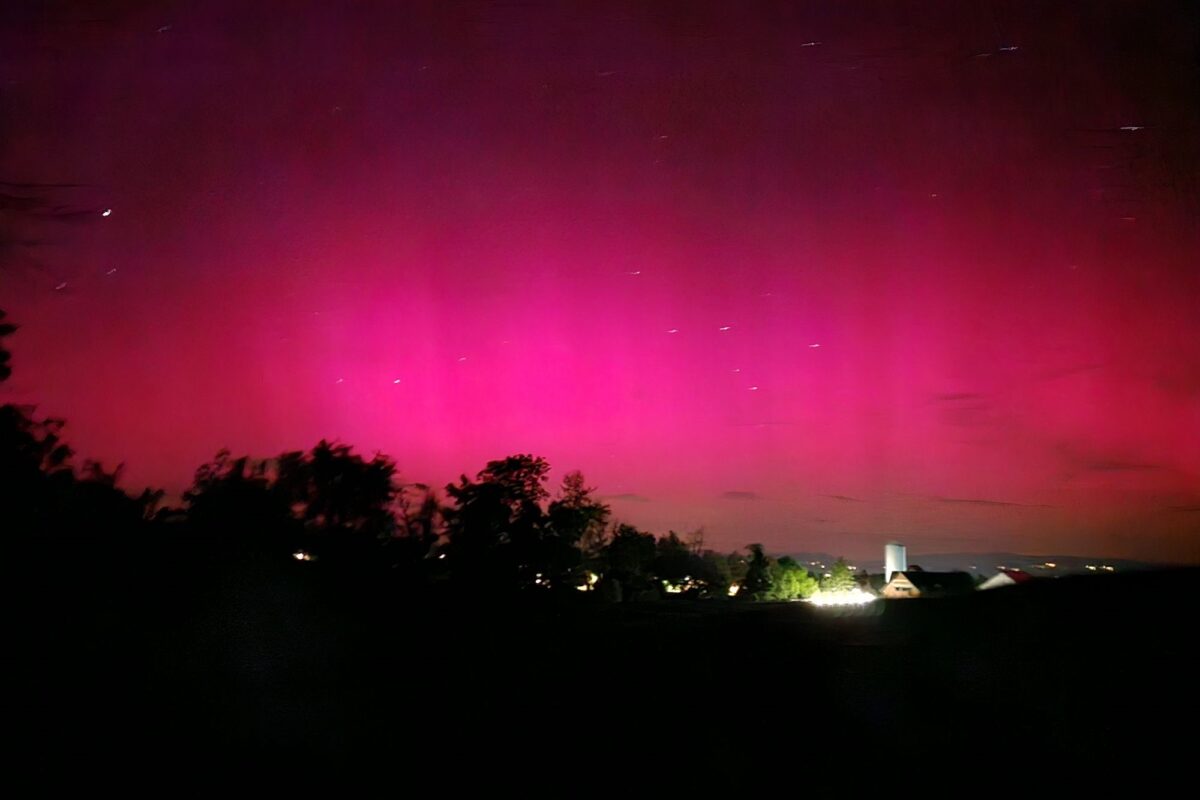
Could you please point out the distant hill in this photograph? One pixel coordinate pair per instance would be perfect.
(989, 563)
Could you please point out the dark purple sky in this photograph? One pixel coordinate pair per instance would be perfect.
(812, 274)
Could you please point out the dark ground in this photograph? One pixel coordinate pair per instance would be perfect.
(271, 674)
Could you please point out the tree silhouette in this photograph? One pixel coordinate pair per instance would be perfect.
(42, 494)
(330, 501)
(496, 523)
(629, 559)
(673, 560)
(234, 506)
(757, 582)
(577, 523)
(343, 501)
(420, 525)
(6, 329)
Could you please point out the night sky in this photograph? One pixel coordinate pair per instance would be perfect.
(817, 275)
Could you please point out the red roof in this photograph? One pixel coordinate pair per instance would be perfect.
(1017, 575)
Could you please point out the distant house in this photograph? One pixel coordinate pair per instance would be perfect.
(918, 583)
(1006, 577)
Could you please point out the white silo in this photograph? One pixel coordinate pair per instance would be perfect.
(895, 559)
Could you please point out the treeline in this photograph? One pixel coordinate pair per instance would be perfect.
(502, 530)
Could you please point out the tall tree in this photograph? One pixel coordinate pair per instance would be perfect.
(576, 529)
(791, 581)
(6, 329)
(757, 583)
(496, 522)
(674, 561)
(233, 504)
(629, 558)
(42, 493)
(575, 513)
(840, 578)
(343, 493)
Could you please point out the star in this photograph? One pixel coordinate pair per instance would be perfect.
(106, 212)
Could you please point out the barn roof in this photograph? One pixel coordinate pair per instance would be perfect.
(940, 581)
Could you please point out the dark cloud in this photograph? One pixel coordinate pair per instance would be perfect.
(843, 498)
(628, 497)
(1112, 465)
(953, 397)
(773, 423)
(965, 415)
(979, 502)
(739, 495)
(1063, 372)
(1081, 460)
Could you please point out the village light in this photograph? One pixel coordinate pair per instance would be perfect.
(850, 597)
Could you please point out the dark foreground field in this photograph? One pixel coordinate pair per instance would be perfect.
(273, 675)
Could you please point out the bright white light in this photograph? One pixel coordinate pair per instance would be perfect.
(754, 388)
(815, 344)
(462, 359)
(1132, 128)
(733, 589)
(725, 327)
(396, 381)
(300, 555)
(851, 597)
(106, 212)
(673, 330)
